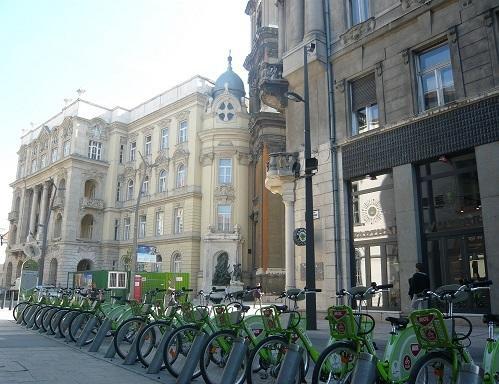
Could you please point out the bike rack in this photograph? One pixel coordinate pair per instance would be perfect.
(291, 365)
(111, 351)
(86, 331)
(31, 316)
(100, 336)
(236, 357)
(193, 357)
(131, 357)
(157, 360)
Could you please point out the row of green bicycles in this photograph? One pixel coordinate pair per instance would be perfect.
(427, 347)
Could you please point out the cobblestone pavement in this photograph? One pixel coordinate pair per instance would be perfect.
(27, 356)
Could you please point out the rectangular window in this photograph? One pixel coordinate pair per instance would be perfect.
(116, 280)
(223, 218)
(182, 132)
(116, 229)
(164, 138)
(126, 228)
(122, 150)
(43, 161)
(364, 104)
(359, 11)
(159, 223)
(94, 150)
(118, 191)
(435, 78)
(145, 187)
(67, 148)
(179, 220)
(55, 155)
(142, 226)
(148, 145)
(225, 171)
(133, 150)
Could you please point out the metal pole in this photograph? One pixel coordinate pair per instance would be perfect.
(309, 206)
(43, 250)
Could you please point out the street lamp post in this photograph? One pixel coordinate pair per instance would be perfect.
(41, 266)
(309, 199)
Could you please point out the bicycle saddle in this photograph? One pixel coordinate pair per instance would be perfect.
(281, 307)
(400, 323)
(245, 308)
(295, 293)
(491, 318)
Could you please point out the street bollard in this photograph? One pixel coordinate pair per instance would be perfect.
(470, 374)
(236, 358)
(111, 351)
(192, 360)
(11, 302)
(100, 336)
(290, 366)
(86, 330)
(4, 298)
(157, 361)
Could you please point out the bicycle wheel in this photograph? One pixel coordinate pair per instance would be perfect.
(54, 321)
(47, 317)
(214, 357)
(433, 368)
(265, 361)
(65, 321)
(39, 316)
(126, 334)
(19, 308)
(149, 340)
(335, 364)
(28, 312)
(78, 324)
(178, 345)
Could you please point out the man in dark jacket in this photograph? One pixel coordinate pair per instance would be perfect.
(417, 285)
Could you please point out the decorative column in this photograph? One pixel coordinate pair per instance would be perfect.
(314, 22)
(34, 208)
(296, 22)
(281, 22)
(21, 222)
(43, 211)
(288, 198)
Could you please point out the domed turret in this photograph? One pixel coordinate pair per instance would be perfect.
(234, 83)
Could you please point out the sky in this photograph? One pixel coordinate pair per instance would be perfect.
(121, 52)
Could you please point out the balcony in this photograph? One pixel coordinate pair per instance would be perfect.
(13, 216)
(272, 86)
(281, 169)
(87, 202)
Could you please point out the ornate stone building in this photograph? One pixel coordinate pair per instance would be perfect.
(87, 163)
(403, 112)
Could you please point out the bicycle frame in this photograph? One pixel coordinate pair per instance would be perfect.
(491, 357)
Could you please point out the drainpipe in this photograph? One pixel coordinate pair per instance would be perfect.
(333, 149)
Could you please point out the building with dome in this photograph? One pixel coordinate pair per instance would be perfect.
(86, 164)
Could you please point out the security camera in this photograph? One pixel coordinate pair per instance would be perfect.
(311, 47)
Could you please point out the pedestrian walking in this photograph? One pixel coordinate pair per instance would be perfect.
(418, 283)
(257, 295)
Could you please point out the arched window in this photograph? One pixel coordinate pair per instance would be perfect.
(90, 189)
(162, 181)
(52, 272)
(145, 186)
(176, 263)
(8, 276)
(180, 176)
(87, 227)
(58, 225)
(84, 265)
(13, 235)
(129, 190)
(19, 268)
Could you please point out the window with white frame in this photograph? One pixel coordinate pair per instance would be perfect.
(164, 138)
(224, 212)
(180, 182)
(116, 280)
(359, 11)
(116, 229)
(133, 150)
(435, 78)
(126, 228)
(182, 132)
(55, 155)
(122, 155)
(162, 181)
(179, 220)
(176, 266)
(129, 190)
(66, 150)
(43, 161)
(145, 186)
(225, 171)
(365, 115)
(159, 223)
(94, 150)
(148, 145)
(118, 191)
(33, 166)
(142, 226)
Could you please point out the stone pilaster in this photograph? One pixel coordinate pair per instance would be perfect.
(43, 211)
(34, 209)
(314, 23)
(288, 198)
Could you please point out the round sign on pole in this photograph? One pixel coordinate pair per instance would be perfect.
(300, 236)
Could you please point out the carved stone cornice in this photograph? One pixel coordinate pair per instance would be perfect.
(97, 130)
(406, 4)
(67, 127)
(182, 115)
(132, 137)
(163, 123)
(162, 158)
(224, 192)
(129, 171)
(358, 31)
(206, 158)
(86, 202)
(181, 153)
